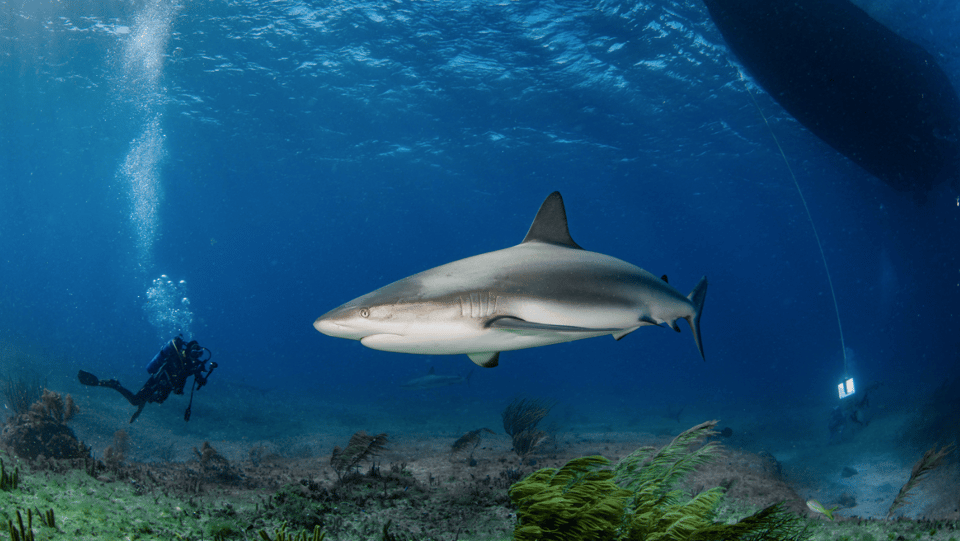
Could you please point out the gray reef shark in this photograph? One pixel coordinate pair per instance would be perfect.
(545, 290)
(432, 381)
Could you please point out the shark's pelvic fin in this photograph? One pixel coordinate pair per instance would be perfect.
(696, 298)
(550, 225)
(648, 320)
(621, 334)
(486, 359)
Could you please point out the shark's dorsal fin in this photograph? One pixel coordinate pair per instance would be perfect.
(430, 373)
(550, 225)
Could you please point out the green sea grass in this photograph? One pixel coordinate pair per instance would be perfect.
(282, 535)
(8, 481)
(637, 500)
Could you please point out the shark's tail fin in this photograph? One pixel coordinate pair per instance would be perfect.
(696, 298)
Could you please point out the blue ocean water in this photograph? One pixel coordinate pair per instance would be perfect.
(234, 169)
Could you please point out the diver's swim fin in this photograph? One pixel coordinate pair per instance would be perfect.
(137, 413)
(86, 378)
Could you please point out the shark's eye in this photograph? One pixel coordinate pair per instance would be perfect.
(364, 312)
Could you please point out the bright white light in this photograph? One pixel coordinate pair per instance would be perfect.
(846, 388)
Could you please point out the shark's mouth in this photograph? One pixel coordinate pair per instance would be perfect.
(383, 340)
(422, 345)
(331, 328)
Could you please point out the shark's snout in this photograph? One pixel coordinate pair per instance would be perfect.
(337, 329)
(326, 326)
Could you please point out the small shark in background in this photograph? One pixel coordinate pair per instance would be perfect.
(432, 381)
(546, 290)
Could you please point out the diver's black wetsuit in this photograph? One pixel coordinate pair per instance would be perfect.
(169, 371)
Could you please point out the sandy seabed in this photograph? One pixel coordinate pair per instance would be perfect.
(271, 467)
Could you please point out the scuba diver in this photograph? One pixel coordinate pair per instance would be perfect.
(169, 369)
(850, 415)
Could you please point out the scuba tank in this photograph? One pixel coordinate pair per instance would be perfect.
(166, 352)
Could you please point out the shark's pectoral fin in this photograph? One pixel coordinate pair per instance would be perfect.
(508, 323)
(486, 359)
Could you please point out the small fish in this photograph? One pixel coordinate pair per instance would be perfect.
(818, 507)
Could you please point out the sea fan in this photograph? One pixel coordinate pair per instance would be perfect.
(930, 460)
(469, 440)
(360, 448)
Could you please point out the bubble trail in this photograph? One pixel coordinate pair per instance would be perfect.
(141, 76)
(141, 87)
(168, 308)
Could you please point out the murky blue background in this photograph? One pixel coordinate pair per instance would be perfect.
(284, 157)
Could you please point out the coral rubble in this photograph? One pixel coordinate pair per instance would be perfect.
(43, 430)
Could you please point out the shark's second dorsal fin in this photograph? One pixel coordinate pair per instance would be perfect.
(550, 225)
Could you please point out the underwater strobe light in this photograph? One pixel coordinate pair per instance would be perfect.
(846, 388)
